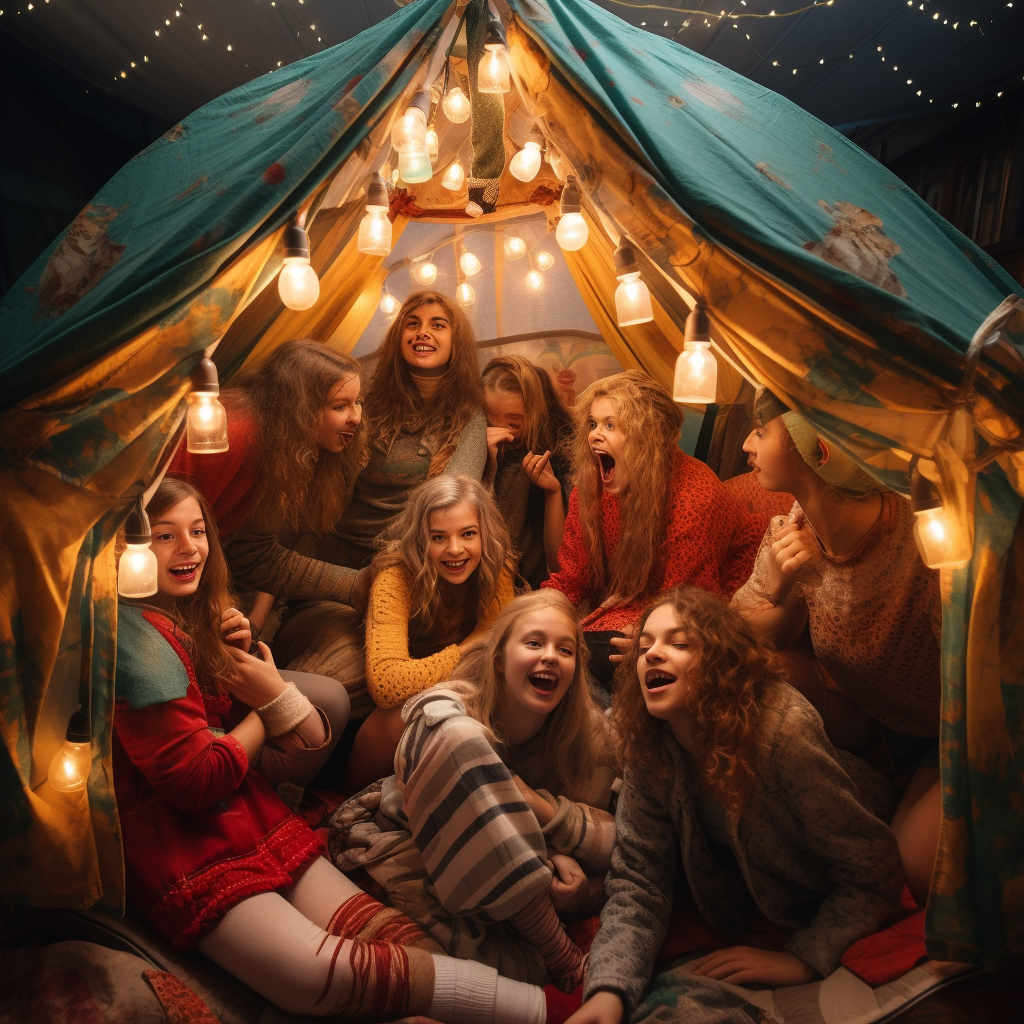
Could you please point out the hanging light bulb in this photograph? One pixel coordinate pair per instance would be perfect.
(632, 297)
(492, 74)
(526, 163)
(696, 378)
(432, 144)
(297, 284)
(470, 264)
(136, 569)
(414, 166)
(464, 294)
(71, 765)
(534, 280)
(455, 177)
(559, 165)
(544, 259)
(456, 105)
(424, 273)
(474, 209)
(571, 233)
(410, 130)
(206, 424)
(514, 247)
(389, 305)
(940, 539)
(375, 227)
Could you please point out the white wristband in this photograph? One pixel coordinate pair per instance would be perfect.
(286, 711)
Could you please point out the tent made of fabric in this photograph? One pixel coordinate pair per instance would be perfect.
(824, 277)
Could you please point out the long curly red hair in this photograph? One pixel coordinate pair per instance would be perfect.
(734, 679)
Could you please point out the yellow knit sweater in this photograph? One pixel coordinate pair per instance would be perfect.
(393, 675)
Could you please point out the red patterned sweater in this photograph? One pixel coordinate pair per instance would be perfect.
(201, 831)
(710, 542)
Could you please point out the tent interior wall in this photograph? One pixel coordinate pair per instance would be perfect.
(824, 278)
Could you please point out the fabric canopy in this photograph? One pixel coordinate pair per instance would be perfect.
(824, 277)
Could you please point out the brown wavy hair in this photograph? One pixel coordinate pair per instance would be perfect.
(299, 482)
(392, 400)
(733, 680)
(650, 422)
(547, 424)
(570, 754)
(406, 541)
(199, 614)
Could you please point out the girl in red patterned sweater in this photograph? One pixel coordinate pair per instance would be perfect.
(644, 516)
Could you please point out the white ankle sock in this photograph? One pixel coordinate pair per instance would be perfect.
(466, 992)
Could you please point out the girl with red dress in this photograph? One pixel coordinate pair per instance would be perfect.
(213, 857)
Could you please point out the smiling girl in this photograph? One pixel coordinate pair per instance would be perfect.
(528, 430)
(439, 581)
(296, 446)
(728, 773)
(644, 516)
(213, 858)
(497, 814)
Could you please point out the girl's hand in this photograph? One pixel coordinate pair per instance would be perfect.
(497, 436)
(235, 630)
(568, 883)
(793, 546)
(744, 965)
(601, 1008)
(543, 811)
(538, 469)
(257, 681)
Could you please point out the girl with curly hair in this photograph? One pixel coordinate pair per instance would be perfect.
(528, 432)
(727, 771)
(296, 444)
(496, 816)
(644, 516)
(443, 573)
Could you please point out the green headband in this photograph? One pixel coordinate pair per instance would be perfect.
(840, 472)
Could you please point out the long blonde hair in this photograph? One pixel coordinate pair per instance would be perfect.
(393, 402)
(570, 753)
(407, 540)
(547, 423)
(650, 423)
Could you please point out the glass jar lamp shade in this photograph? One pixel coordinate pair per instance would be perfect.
(206, 422)
(940, 538)
(632, 297)
(71, 765)
(375, 227)
(571, 233)
(456, 105)
(464, 294)
(696, 376)
(410, 130)
(137, 568)
(514, 247)
(469, 264)
(526, 163)
(424, 274)
(414, 166)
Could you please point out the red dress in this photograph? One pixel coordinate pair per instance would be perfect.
(227, 480)
(201, 832)
(710, 542)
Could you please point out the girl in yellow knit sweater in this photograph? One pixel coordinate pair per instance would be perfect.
(442, 575)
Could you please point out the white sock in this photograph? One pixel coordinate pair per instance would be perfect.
(466, 992)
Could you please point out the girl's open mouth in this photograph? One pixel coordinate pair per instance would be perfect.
(422, 348)
(185, 573)
(607, 466)
(545, 682)
(456, 567)
(657, 680)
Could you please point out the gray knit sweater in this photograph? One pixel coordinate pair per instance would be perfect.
(812, 855)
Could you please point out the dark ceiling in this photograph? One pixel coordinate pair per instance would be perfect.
(167, 57)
